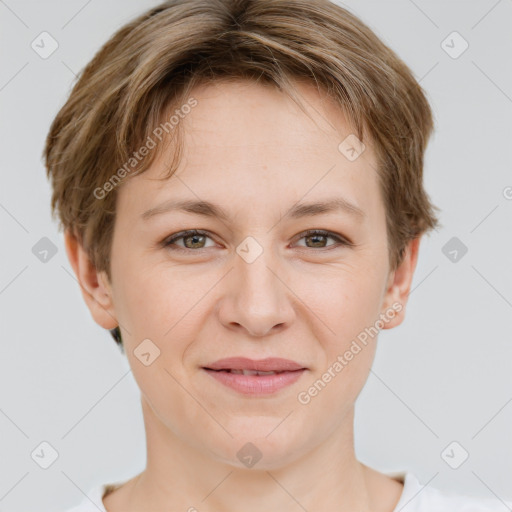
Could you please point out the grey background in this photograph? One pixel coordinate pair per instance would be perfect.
(444, 375)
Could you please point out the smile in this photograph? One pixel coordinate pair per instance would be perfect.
(255, 377)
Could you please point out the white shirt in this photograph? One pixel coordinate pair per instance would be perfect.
(415, 498)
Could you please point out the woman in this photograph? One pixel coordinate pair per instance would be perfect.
(240, 186)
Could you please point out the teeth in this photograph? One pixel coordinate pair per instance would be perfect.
(251, 372)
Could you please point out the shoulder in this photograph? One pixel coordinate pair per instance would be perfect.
(422, 498)
(93, 500)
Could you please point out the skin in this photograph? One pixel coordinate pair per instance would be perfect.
(251, 150)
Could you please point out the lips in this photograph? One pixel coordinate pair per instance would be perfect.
(255, 377)
(249, 372)
(245, 366)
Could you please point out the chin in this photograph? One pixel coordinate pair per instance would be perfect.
(260, 447)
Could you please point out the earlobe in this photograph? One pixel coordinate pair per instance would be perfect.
(399, 285)
(95, 287)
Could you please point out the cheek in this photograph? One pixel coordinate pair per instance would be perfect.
(167, 307)
(145, 304)
(349, 306)
(346, 299)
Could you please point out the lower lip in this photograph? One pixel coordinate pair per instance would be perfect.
(256, 384)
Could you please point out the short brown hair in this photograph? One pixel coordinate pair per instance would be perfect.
(151, 64)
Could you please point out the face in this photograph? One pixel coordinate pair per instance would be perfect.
(253, 283)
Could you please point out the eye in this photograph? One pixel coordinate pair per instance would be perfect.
(193, 239)
(320, 236)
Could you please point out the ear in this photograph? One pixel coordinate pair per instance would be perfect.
(399, 284)
(95, 286)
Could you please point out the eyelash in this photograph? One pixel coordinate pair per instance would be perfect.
(168, 242)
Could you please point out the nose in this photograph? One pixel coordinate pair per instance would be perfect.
(256, 298)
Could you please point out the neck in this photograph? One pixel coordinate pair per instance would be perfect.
(179, 476)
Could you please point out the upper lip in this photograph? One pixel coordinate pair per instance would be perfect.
(271, 364)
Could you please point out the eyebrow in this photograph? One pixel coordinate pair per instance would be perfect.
(299, 210)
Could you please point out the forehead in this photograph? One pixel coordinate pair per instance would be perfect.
(250, 145)
(247, 114)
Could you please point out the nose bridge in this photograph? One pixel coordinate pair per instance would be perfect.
(259, 297)
(254, 260)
